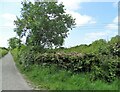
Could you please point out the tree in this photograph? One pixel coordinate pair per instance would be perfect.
(14, 42)
(114, 40)
(44, 24)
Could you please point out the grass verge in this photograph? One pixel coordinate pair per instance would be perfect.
(51, 78)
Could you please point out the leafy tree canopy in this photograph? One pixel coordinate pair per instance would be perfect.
(44, 24)
(14, 42)
(114, 40)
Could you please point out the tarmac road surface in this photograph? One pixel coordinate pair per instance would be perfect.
(11, 77)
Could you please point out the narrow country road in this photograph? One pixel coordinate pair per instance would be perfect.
(11, 78)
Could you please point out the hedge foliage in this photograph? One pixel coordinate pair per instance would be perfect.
(3, 52)
(103, 64)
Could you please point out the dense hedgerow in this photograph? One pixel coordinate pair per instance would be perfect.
(103, 63)
(104, 67)
(101, 67)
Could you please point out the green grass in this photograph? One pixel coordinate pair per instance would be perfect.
(52, 78)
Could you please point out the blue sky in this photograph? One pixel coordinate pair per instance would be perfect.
(94, 20)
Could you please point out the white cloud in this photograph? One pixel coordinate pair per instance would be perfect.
(81, 19)
(71, 4)
(113, 25)
(5, 34)
(72, 7)
(65, 0)
(93, 22)
(7, 20)
(10, 0)
(95, 35)
(13, 0)
(8, 16)
(10, 25)
(90, 37)
(6, 24)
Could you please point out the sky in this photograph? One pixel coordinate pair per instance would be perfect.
(95, 19)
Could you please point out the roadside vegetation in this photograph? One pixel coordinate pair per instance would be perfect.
(3, 51)
(72, 71)
(49, 65)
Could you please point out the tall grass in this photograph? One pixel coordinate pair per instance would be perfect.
(53, 78)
